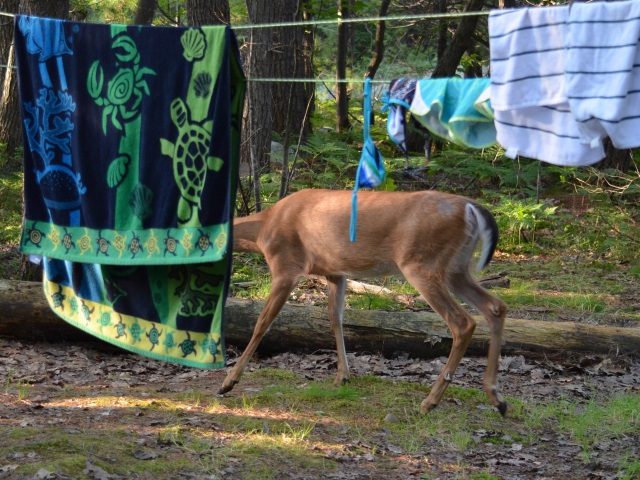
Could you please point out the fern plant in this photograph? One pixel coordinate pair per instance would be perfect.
(519, 220)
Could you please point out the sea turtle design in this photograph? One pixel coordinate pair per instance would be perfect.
(104, 320)
(134, 246)
(168, 342)
(86, 312)
(213, 348)
(58, 298)
(188, 346)
(121, 328)
(154, 337)
(204, 242)
(103, 245)
(191, 159)
(136, 331)
(34, 235)
(67, 241)
(171, 244)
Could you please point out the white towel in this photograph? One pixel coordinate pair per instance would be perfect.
(532, 115)
(602, 68)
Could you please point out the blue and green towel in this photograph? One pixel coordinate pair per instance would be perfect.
(131, 143)
(456, 109)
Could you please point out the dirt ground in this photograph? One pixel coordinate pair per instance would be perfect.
(50, 370)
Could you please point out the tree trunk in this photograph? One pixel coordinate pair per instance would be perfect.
(50, 9)
(291, 60)
(462, 39)
(10, 121)
(146, 12)
(258, 112)
(6, 33)
(443, 29)
(208, 12)
(378, 51)
(26, 315)
(342, 98)
(619, 159)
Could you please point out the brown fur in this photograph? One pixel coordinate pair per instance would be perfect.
(429, 237)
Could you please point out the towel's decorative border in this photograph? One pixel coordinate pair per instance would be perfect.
(161, 342)
(125, 247)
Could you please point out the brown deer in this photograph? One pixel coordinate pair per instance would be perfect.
(429, 237)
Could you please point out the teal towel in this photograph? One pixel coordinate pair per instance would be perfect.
(456, 109)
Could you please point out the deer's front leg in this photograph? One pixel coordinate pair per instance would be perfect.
(337, 290)
(280, 290)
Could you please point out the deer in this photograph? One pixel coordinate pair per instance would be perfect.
(429, 237)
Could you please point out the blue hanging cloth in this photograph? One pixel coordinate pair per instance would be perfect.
(371, 171)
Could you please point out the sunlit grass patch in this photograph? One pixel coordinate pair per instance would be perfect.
(591, 423)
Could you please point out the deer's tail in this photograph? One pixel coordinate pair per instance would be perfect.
(484, 227)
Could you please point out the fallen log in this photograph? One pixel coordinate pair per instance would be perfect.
(25, 315)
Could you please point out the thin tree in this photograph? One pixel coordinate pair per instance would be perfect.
(462, 40)
(342, 98)
(378, 51)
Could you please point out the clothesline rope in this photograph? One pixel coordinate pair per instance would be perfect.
(425, 16)
(333, 21)
(329, 22)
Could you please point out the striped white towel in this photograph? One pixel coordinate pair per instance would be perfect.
(602, 80)
(532, 114)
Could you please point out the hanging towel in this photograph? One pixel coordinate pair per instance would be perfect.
(396, 102)
(456, 109)
(603, 71)
(371, 171)
(130, 160)
(532, 113)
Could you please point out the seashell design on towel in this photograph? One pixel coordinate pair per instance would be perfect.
(194, 44)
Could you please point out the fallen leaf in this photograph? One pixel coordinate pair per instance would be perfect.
(145, 455)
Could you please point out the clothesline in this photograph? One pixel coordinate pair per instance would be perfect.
(334, 21)
(426, 16)
(293, 80)
(329, 22)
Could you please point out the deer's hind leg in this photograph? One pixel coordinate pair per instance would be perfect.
(433, 286)
(494, 311)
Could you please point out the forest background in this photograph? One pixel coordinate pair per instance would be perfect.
(308, 134)
(568, 253)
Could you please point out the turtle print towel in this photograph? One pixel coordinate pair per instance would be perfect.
(131, 138)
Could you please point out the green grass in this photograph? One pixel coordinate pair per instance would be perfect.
(10, 208)
(285, 423)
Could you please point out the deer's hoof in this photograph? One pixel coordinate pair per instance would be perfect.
(227, 388)
(426, 407)
(502, 408)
